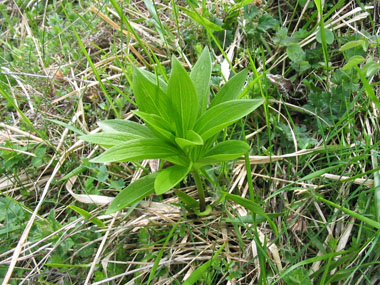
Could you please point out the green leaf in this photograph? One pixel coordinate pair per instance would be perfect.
(183, 96)
(318, 173)
(192, 139)
(157, 125)
(109, 139)
(329, 35)
(231, 89)
(169, 178)
(368, 89)
(250, 220)
(201, 75)
(252, 206)
(135, 192)
(295, 53)
(76, 171)
(371, 68)
(207, 24)
(220, 116)
(224, 151)
(124, 126)
(67, 126)
(150, 98)
(87, 215)
(353, 61)
(201, 270)
(266, 22)
(354, 214)
(352, 44)
(156, 80)
(137, 149)
(189, 201)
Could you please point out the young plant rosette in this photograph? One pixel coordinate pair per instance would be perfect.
(181, 127)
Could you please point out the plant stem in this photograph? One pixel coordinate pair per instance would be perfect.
(201, 191)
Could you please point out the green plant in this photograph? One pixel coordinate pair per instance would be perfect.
(181, 128)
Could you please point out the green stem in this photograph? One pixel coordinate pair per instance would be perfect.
(201, 191)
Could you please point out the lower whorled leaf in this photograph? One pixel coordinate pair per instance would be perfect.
(124, 126)
(109, 139)
(170, 177)
(137, 149)
(227, 150)
(135, 192)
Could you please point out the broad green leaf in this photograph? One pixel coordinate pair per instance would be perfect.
(352, 44)
(192, 139)
(150, 98)
(157, 125)
(353, 61)
(153, 78)
(183, 96)
(169, 178)
(124, 126)
(220, 116)
(201, 75)
(207, 24)
(295, 53)
(329, 35)
(87, 215)
(109, 139)
(135, 192)
(252, 206)
(224, 151)
(231, 89)
(137, 149)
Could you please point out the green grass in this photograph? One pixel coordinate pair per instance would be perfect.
(63, 68)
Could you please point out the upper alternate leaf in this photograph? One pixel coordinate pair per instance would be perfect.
(192, 139)
(201, 75)
(150, 98)
(231, 89)
(220, 116)
(157, 125)
(155, 79)
(183, 96)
